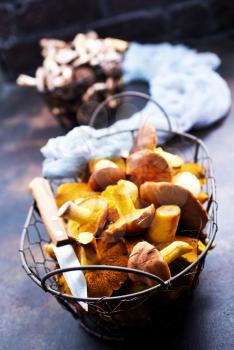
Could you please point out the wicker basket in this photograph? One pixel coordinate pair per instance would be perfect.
(119, 316)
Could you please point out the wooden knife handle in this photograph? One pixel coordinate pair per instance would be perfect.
(43, 195)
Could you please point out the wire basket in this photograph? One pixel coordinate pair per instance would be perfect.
(154, 309)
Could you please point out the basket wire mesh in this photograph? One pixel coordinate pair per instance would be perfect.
(117, 316)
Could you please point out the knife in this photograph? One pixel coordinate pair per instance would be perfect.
(64, 251)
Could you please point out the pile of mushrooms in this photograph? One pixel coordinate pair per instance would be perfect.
(146, 209)
(87, 68)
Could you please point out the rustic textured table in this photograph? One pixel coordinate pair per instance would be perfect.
(31, 319)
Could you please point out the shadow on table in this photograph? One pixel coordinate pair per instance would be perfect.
(177, 336)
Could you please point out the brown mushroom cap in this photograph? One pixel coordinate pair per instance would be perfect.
(146, 138)
(104, 177)
(193, 215)
(131, 224)
(146, 257)
(146, 165)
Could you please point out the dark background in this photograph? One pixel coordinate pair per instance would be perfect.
(24, 22)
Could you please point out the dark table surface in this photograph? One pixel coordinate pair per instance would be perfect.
(31, 319)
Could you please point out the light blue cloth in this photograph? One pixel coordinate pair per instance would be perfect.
(181, 80)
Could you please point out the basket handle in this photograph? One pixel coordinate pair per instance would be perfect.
(131, 94)
(52, 273)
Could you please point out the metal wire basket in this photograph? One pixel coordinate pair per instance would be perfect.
(156, 308)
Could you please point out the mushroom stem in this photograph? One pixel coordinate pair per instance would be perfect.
(74, 212)
(175, 250)
(164, 225)
(124, 204)
(26, 80)
(121, 199)
(88, 250)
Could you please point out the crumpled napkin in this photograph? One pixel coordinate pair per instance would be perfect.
(181, 80)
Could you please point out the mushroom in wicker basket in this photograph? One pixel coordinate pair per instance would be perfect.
(120, 202)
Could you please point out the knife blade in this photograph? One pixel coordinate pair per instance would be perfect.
(64, 251)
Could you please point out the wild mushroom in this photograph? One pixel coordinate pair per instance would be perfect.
(95, 252)
(103, 282)
(196, 169)
(146, 138)
(56, 43)
(118, 161)
(88, 216)
(75, 212)
(87, 249)
(73, 191)
(146, 165)
(146, 257)
(117, 44)
(188, 181)
(193, 215)
(121, 199)
(203, 197)
(131, 224)
(105, 173)
(196, 244)
(86, 238)
(127, 219)
(87, 253)
(173, 160)
(164, 225)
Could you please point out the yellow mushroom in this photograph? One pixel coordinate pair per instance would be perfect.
(121, 199)
(88, 216)
(164, 225)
